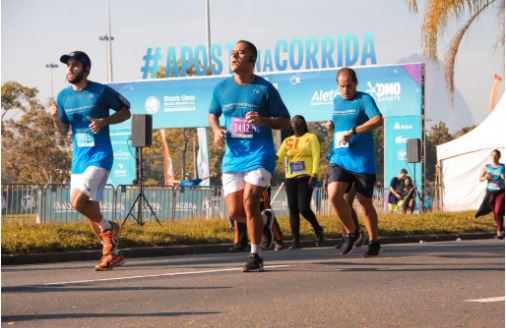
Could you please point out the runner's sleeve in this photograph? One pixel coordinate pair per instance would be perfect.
(115, 100)
(281, 154)
(370, 107)
(215, 106)
(61, 112)
(315, 154)
(277, 107)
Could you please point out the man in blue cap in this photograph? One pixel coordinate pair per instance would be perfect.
(84, 107)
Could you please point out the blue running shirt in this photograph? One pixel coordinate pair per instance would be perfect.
(74, 108)
(248, 146)
(359, 155)
(496, 183)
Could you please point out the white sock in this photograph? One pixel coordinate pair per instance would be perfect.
(104, 225)
(256, 249)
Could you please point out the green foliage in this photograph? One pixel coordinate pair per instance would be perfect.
(31, 150)
(31, 238)
(437, 135)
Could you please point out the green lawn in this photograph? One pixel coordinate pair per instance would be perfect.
(18, 236)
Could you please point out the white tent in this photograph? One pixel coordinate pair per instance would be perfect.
(461, 161)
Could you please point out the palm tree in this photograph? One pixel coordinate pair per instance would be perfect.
(436, 16)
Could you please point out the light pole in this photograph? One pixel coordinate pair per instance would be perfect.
(51, 66)
(208, 36)
(108, 38)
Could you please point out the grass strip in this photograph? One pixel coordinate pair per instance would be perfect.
(19, 237)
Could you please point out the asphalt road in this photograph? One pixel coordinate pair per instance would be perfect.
(443, 284)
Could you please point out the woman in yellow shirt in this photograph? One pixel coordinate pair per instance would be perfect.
(302, 151)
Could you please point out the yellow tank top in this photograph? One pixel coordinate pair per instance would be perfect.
(302, 154)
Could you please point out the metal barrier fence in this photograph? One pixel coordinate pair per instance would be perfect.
(51, 203)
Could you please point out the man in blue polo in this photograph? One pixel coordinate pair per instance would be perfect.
(352, 159)
(252, 107)
(84, 108)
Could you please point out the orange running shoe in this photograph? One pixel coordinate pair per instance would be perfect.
(110, 242)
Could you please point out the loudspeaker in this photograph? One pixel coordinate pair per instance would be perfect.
(142, 130)
(414, 150)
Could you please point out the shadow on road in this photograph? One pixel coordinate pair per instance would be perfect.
(30, 317)
(63, 289)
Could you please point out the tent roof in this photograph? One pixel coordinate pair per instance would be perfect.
(491, 133)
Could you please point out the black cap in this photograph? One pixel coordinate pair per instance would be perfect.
(78, 56)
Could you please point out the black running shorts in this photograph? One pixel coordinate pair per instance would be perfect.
(364, 183)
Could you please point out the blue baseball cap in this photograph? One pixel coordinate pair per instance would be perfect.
(78, 56)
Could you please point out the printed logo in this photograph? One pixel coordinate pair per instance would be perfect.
(294, 80)
(120, 171)
(384, 91)
(152, 105)
(402, 155)
(398, 126)
(323, 97)
(400, 140)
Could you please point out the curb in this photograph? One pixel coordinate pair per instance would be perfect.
(17, 259)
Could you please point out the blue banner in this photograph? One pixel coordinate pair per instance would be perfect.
(184, 102)
(398, 129)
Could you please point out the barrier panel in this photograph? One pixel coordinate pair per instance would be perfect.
(33, 203)
(21, 202)
(171, 203)
(56, 205)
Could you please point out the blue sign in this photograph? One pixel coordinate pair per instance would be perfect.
(184, 102)
(294, 54)
(398, 129)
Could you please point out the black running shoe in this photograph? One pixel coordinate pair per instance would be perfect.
(238, 248)
(267, 236)
(348, 242)
(319, 238)
(373, 249)
(254, 263)
(360, 240)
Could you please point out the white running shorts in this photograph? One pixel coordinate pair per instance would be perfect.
(91, 182)
(235, 181)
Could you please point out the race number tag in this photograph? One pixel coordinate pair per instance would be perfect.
(84, 138)
(338, 140)
(494, 184)
(241, 128)
(297, 167)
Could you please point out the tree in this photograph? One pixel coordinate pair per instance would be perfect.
(436, 16)
(462, 131)
(31, 150)
(437, 135)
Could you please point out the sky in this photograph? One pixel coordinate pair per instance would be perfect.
(36, 33)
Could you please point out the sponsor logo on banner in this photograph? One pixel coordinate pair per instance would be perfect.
(402, 155)
(384, 91)
(323, 97)
(294, 80)
(152, 105)
(120, 170)
(180, 103)
(398, 126)
(400, 140)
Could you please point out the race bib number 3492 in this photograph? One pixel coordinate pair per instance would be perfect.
(240, 128)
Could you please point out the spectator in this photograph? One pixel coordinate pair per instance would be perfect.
(396, 187)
